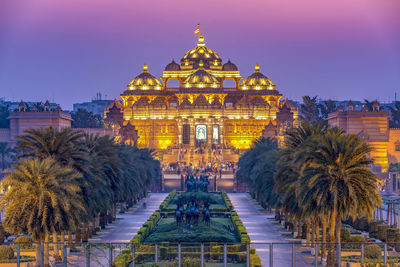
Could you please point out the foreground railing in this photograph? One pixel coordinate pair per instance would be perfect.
(200, 254)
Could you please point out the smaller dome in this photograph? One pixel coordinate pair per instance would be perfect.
(257, 81)
(145, 81)
(201, 78)
(173, 66)
(229, 66)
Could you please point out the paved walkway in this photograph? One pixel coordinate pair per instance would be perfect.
(262, 229)
(129, 223)
(120, 231)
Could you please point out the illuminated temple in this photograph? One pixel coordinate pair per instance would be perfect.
(200, 118)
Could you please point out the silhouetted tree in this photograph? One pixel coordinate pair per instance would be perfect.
(310, 110)
(394, 121)
(327, 107)
(85, 119)
(4, 113)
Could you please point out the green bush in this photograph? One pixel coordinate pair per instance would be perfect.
(357, 238)
(163, 253)
(391, 236)
(122, 259)
(345, 234)
(6, 252)
(373, 251)
(173, 264)
(382, 231)
(25, 242)
(190, 262)
(255, 260)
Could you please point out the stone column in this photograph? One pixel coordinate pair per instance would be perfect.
(209, 133)
(192, 133)
(180, 132)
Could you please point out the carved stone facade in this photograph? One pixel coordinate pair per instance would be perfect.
(373, 125)
(201, 112)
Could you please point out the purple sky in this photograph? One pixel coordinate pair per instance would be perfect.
(67, 50)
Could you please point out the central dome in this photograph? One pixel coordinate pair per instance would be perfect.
(201, 78)
(201, 53)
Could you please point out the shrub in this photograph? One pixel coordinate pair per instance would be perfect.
(173, 264)
(255, 260)
(6, 252)
(190, 262)
(391, 235)
(382, 231)
(345, 234)
(25, 242)
(163, 253)
(357, 238)
(373, 251)
(122, 259)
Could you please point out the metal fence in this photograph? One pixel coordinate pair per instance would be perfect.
(203, 254)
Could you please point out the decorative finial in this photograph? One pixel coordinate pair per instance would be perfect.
(201, 40)
(257, 68)
(145, 67)
(201, 64)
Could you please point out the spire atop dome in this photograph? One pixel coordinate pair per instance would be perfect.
(257, 68)
(201, 40)
(145, 68)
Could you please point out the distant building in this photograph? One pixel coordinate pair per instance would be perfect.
(373, 125)
(13, 105)
(23, 118)
(96, 106)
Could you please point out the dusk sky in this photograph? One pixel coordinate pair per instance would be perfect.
(68, 50)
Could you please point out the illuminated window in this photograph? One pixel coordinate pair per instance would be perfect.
(215, 134)
(201, 133)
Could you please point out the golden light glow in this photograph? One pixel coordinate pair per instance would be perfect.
(160, 123)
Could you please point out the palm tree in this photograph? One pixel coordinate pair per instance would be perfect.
(327, 107)
(64, 146)
(6, 152)
(257, 169)
(336, 178)
(309, 110)
(44, 197)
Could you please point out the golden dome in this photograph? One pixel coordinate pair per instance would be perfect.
(229, 66)
(173, 66)
(257, 81)
(201, 53)
(145, 81)
(201, 78)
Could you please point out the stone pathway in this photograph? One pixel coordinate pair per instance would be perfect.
(120, 232)
(262, 230)
(129, 223)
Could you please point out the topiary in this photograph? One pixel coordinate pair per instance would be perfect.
(373, 251)
(25, 242)
(6, 252)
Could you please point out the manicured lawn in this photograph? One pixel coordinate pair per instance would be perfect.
(218, 231)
